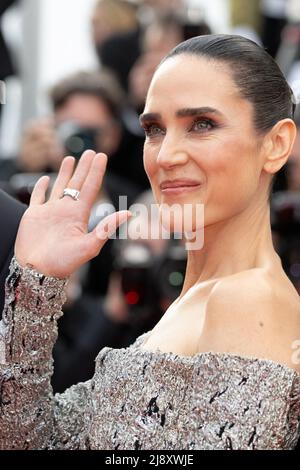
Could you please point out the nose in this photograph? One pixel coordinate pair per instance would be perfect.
(171, 153)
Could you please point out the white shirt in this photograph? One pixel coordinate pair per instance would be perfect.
(274, 8)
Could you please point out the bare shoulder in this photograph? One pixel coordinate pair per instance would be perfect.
(254, 314)
(257, 287)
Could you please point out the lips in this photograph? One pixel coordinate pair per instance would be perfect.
(179, 184)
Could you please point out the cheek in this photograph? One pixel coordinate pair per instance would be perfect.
(150, 164)
(231, 162)
(231, 176)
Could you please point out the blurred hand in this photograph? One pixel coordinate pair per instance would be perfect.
(40, 147)
(73, 289)
(115, 304)
(53, 236)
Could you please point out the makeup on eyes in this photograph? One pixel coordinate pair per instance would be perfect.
(211, 124)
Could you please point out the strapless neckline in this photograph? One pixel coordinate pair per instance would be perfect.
(220, 355)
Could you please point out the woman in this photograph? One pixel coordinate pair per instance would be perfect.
(220, 370)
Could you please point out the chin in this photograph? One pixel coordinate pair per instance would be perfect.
(182, 218)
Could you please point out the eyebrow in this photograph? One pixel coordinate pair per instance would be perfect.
(181, 113)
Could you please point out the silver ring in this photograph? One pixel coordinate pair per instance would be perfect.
(73, 193)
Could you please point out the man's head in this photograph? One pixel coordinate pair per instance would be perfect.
(90, 101)
(111, 17)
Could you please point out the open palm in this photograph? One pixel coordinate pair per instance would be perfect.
(53, 236)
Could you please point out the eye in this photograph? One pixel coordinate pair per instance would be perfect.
(152, 130)
(203, 125)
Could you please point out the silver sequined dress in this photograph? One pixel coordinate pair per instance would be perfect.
(137, 399)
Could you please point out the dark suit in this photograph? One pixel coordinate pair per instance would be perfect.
(11, 212)
(6, 66)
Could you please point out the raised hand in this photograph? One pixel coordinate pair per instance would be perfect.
(53, 235)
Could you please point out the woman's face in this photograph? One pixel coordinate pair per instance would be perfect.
(201, 146)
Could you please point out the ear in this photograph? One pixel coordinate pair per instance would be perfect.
(278, 145)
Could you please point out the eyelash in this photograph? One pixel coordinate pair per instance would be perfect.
(147, 127)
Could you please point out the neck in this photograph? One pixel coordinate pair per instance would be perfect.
(240, 243)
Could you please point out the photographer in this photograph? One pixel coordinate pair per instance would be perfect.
(120, 51)
(87, 115)
(111, 17)
(87, 107)
(159, 37)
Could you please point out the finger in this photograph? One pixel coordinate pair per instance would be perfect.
(95, 240)
(38, 195)
(114, 283)
(63, 177)
(82, 170)
(109, 225)
(91, 186)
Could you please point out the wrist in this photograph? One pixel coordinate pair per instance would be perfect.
(37, 268)
(37, 265)
(34, 290)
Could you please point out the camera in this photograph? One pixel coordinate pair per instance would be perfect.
(76, 139)
(169, 271)
(150, 283)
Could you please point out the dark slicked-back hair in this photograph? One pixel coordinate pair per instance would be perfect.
(255, 73)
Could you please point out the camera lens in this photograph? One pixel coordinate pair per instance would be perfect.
(76, 139)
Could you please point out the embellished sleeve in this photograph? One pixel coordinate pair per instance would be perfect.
(30, 416)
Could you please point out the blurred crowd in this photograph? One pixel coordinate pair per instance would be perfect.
(125, 290)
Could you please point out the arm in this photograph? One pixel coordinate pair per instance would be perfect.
(31, 418)
(53, 238)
